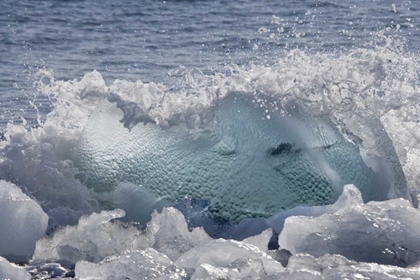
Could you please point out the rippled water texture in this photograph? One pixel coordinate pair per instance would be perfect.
(147, 39)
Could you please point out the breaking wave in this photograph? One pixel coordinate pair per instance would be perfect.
(380, 82)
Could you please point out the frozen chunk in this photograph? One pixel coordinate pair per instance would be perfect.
(169, 233)
(297, 275)
(93, 239)
(147, 264)
(11, 271)
(22, 223)
(197, 215)
(276, 222)
(382, 232)
(338, 267)
(47, 271)
(303, 261)
(346, 200)
(240, 269)
(261, 240)
(207, 271)
(248, 268)
(222, 253)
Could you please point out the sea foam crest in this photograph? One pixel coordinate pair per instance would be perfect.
(376, 83)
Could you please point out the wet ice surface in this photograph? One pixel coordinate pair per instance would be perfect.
(379, 232)
(331, 267)
(49, 271)
(374, 240)
(22, 223)
(12, 271)
(93, 239)
(145, 264)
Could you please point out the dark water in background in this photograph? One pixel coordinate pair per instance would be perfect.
(147, 39)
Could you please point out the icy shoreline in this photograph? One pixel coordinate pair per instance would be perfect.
(349, 238)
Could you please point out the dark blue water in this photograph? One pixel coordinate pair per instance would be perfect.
(147, 39)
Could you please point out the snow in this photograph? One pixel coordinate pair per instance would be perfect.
(22, 223)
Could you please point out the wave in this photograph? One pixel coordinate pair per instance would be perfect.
(379, 82)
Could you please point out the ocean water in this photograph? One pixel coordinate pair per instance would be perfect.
(148, 40)
(59, 59)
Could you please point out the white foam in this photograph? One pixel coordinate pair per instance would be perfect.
(40, 159)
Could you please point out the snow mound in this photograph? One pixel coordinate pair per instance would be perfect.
(381, 232)
(22, 223)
